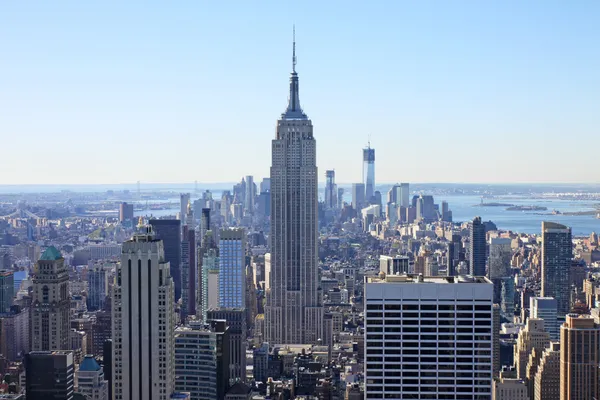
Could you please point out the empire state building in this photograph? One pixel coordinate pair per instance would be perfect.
(293, 312)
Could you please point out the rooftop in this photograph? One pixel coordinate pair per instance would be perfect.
(51, 254)
(89, 364)
(382, 278)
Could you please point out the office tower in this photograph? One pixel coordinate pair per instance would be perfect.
(184, 201)
(547, 378)
(210, 281)
(204, 223)
(358, 196)
(49, 375)
(51, 303)
(533, 336)
(392, 194)
(202, 359)
(477, 248)
(546, 308)
(188, 273)
(330, 190)
(236, 321)
(107, 358)
(557, 252)
(500, 257)
(14, 334)
(404, 195)
(265, 185)
(250, 195)
(340, 198)
(294, 312)
(97, 287)
(7, 290)
(232, 268)
(579, 345)
(507, 298)
(428, 211)
(531, 370)
(125, 212)
(90, 378)
(143, 321)
(369, 172)
(496, 339)
(264, 204)
(169, 231)
(508, 389)
(449, 355)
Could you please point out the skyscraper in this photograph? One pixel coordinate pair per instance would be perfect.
(557, 252)
(579, 361)
(330, 189)
(90, 378)
(428, 338)
(51, 303)
(143, 321)
(545, 308)
(7, 290)
(294, 313)
(358, 196)
(533, 336)
(125, 212)
(169, 231)
(188, 272)
(184, 200)
(97, 287)
(49, 375)
(369, 172)
(250, 195)
(404, 195)
(477, 248)
(232, 269)
(547, 378)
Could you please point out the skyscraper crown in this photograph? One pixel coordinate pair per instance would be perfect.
(294, 111)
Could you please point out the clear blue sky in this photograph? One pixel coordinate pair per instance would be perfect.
(449, 91)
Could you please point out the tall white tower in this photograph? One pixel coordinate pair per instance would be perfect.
(143, 322)
(294, 313)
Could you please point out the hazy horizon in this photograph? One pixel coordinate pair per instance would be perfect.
(458, 91)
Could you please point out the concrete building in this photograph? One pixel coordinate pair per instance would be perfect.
(232, 268)
(238, 331)
(533, 336)
(547, 378)
(210, 281)
(184, 202)
(7, 290)
(546, 308)
(49, 375)
(143, 321)
(477, 251)
(293, 311)
(188, 272)
(557, 252)
(202, 359)
(125, 212)
(358, 196)
(509, 389)
(14, 334)
(90, 380)
(51, 303)
(579, 362)
(449, 355)
(395, 265)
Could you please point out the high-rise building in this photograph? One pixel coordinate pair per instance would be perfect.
(330, 190)
(202, 359)
(125, 212)
(477, 248)
(369, 172)
(545, 308)
(232, 268)
(184, 201)
(236, 321)
(428, 337)
(500, 257)
(547, 378)
(188, 273)
(293, 311)
(557, 252)
(210, 281)
(49, 375)
(509, 389)
(579, 362)
(51, 303)
(533, 336)
(204, 223)
(358, 196)
(7, 290)
(14, 334)
(90, 379)
(169, 231)
(143, 321)
(404, 195)
(250, 195)
(97, 287)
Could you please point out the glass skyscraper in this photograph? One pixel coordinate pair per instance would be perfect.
(369, 172)
(557, 252)
(232, 271)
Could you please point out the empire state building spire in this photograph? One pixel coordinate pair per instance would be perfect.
(294, 111)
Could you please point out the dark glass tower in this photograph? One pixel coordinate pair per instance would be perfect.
(477, 248)
(169, 231)
(557, 252)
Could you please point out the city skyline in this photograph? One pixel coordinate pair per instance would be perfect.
(499, 82)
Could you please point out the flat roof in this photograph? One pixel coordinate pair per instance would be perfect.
(428, 279)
